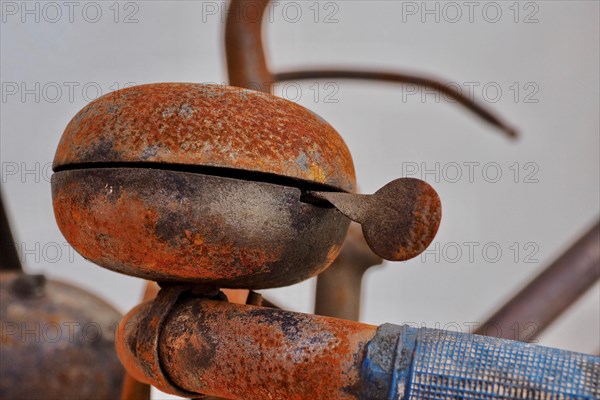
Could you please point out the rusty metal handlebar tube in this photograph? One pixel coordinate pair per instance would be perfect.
(549, 294)
(187, 344)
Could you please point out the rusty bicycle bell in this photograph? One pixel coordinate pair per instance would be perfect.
(222, 186)
(57, 341)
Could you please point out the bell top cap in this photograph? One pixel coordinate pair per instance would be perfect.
(189, 124)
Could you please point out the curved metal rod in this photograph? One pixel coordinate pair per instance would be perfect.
(401, 78)
(247, 66)
(246, 60)
(549, 294)
(339, 286)
(9, 257)
(132, 388)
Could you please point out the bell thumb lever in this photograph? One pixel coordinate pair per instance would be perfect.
(398, 221)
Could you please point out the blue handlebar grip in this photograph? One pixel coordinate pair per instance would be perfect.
(407, 363)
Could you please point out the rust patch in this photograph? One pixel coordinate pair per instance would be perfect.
(210, 125)
(246, 352)
(399, 221)
(176, 226)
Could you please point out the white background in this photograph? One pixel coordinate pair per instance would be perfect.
(388, 129)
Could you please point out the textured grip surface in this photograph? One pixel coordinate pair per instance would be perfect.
(433, 364)
(449, 365)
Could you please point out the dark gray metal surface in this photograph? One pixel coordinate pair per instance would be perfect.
(9, 257)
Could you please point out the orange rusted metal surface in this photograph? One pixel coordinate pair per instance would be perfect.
(178, 226)
(208, 178)
(207, 125)
(238, 296)
(189, 345)
(136, 390)
(184, 168)
(246, 352)
(132, 388)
